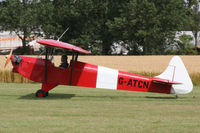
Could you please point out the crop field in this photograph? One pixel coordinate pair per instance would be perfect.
(143, 65)
(88, 110)
(131, 63)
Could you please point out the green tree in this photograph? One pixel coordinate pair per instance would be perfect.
(194, 17)
(24, 17)
(86, 21)
(76, 16)
(150, 24)
(45, 19)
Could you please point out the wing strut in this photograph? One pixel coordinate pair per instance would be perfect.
(74, 58)
(45, 74)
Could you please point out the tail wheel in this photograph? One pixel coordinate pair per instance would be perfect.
(41, 93)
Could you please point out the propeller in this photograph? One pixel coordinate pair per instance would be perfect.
(8, 58)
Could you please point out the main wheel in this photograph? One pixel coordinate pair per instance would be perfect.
(41, 93)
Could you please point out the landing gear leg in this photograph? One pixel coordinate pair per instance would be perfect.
(44, 92)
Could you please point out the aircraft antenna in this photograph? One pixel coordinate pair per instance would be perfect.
(63, 34)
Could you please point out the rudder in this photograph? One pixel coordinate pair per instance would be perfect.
(176, 71)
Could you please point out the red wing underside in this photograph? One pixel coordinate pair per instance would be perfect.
(58, 44)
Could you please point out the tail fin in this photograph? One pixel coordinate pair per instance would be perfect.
(177, 72)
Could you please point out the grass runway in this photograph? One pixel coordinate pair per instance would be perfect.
(89, 110)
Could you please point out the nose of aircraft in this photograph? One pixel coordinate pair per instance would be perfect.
(8, 57)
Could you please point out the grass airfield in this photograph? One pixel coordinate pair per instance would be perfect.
(89, 110)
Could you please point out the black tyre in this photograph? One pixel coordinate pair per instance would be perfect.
(40, 93)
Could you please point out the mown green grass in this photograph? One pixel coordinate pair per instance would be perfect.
(88, 110)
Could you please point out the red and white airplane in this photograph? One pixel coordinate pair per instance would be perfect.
(174, 80)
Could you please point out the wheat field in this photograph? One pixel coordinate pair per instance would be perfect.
(154, 64)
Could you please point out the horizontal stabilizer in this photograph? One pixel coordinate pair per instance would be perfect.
(163, 81)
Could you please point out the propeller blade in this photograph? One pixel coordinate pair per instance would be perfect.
(8, 58)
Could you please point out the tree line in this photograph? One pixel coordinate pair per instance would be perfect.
(144, 27)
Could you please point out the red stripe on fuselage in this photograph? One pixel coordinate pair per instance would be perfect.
(84, 75)
(133, 82)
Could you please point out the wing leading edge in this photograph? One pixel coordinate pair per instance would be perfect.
(58, 44)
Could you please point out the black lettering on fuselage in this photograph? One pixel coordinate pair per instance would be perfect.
(121, 81)
(129, 82)
(140, 84)
(146, 84)
(135, 81)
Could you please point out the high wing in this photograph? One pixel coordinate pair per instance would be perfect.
(58, 44)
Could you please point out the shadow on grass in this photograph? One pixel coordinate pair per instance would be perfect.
(135, 98)
(151, 97)
(110, 97)
(51, 96)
